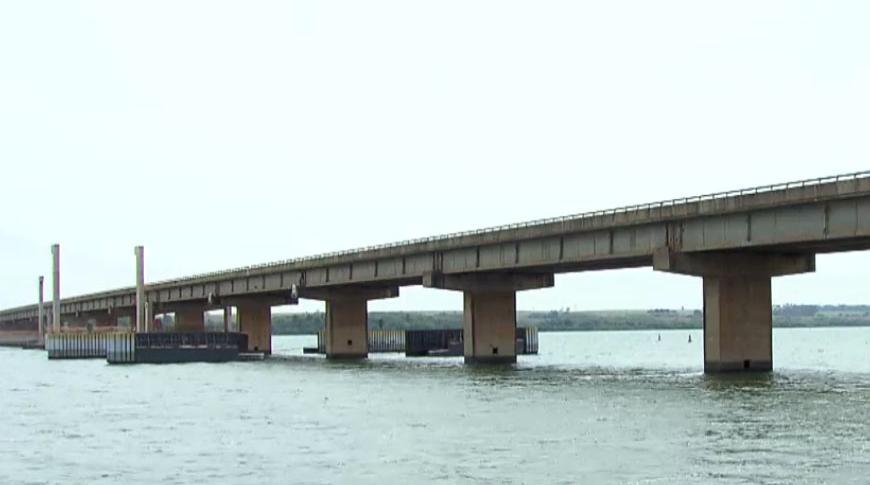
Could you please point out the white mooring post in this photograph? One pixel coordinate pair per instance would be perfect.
(141, 323)
(40, 325)
(55, 283)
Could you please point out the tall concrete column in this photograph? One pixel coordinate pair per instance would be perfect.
(346, 329)
(490, 326)
(738, 315)
(55, 283)
(190, 318)
(149, 316)
(738, 324)
(40, 322)
(255, 321)
(141, 321)
(489, 311)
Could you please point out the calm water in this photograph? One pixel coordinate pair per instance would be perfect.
(594, 407)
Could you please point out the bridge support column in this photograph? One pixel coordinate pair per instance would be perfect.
(490, 327)
(738, 324)
(347, 321)
(347, 328)
(190, 318)
(489, 311)
(255, 320)
(738, 315)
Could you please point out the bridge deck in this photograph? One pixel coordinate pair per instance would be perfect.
(809, 216)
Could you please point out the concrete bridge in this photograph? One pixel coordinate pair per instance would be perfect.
(736, 241)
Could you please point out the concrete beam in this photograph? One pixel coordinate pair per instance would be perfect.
(270, 299)
(350, 292)
(488, 282)
(733, 263)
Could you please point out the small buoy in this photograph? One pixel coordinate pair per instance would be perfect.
(690, 338)
(660, 337)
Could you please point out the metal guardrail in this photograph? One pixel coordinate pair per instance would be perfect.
(536, 222)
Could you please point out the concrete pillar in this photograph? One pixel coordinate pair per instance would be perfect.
(490, 311)
(40, 319)
(55, 283)
(141, 320)
(255, 320)
(738, 315)
(149, 316)
(738, 324)
(347, 328)
(490, 327)
(190, 319)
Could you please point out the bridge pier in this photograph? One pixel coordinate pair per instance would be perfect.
(347, 321)
(255, 320)
(347, 326)
(738, 315)
(489, 311)
(190, 318)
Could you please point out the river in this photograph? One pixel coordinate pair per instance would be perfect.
(593, 407)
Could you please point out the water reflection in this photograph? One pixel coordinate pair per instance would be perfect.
(739, 381)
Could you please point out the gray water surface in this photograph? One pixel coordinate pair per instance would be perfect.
(593, 407)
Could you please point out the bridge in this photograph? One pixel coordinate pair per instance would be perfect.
(735, 241)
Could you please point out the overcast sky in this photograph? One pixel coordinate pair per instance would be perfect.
(221, 134)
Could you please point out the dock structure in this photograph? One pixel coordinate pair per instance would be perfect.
(735, 241)
(434, 342)
(174, 347)
(77, 345)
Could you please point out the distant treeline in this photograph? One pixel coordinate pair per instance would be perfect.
(560, 320)
(656, 319)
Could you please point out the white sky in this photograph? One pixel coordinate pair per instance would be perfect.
(221, 134)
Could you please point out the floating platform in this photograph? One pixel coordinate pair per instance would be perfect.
(432, 343)
(174, 347)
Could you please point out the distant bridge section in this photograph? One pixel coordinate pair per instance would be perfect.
(725, 238)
